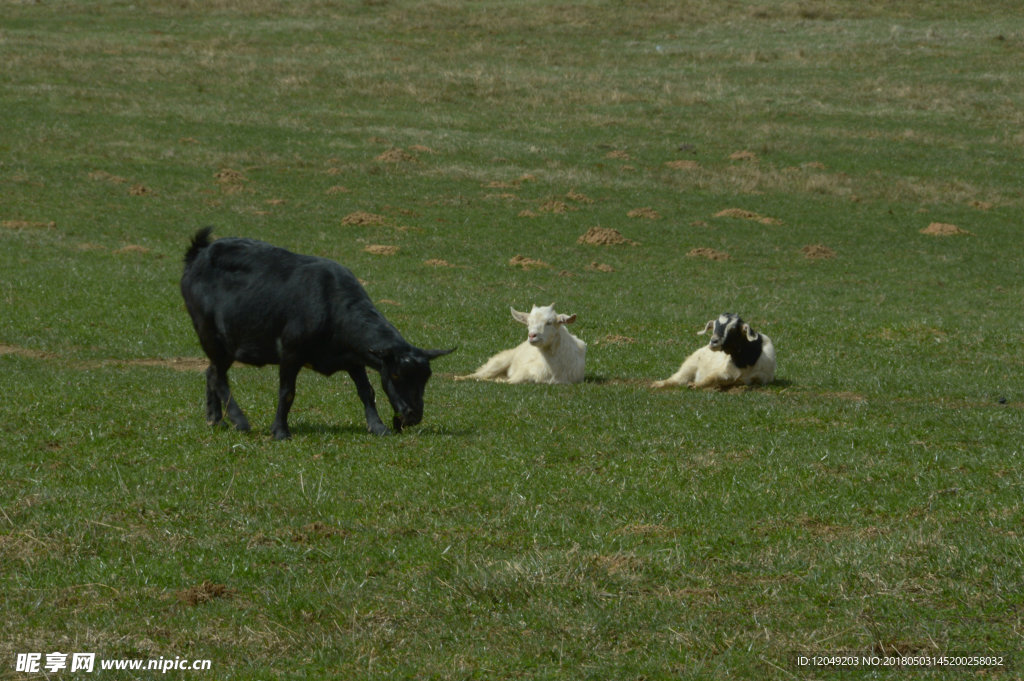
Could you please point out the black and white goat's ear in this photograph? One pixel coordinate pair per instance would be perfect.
(707, 327)
(750, 333)
(521, 317)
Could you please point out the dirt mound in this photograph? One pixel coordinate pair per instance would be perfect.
(576, 196)
(139, 190)
(437, 262)
(604, 236)
(709, 253)
(600, 267)
(396, 156)
(646, 213)
(526, 263)
(742, 214)
(616, 339)
(818, 252)
(230, 181)
(361, 218)
(943, 229)
(379, 249)
(204, 593)
(618, 154)
(228, 176)
(554, 206)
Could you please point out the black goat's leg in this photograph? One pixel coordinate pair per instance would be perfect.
(288, 372)
(217, 381)
(366, 394)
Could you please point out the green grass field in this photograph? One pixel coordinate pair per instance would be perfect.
(785, 160)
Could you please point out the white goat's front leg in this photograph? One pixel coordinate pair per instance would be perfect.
(496, 368)
(686, 374)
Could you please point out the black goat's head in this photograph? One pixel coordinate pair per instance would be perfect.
(404, 376)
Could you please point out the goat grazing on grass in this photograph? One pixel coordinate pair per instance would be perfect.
(258, 304)
(550, 354)
(735, 355)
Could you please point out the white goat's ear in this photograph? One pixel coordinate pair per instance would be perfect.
(520, 317)
(751, 334)
(707, 327)
(566, 318)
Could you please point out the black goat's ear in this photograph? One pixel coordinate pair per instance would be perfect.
(434, 354)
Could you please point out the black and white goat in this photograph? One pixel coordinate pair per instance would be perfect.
(735, 355)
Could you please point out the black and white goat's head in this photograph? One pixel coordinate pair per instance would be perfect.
(732, 335)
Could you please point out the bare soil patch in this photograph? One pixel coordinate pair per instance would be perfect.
(104, 176)
(437, 262)
(510, 184)
(682, 165)
(176, 363)
(742, 214)
(619, 155)
(139, 190)
(709, 253)
(27, 224)
(380, 249)
(600, 267)
(743, 155)
(578, 197)
(25, 352)
(604, 236)
(818, 252)
(943, 229)
(132, 248)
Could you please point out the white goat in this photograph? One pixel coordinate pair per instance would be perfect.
(736, 354)
(550, 354)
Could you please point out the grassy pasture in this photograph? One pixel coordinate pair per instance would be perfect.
(869, 501)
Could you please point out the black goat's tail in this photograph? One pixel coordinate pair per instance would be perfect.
(200, 241)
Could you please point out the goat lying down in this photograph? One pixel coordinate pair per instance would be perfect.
(550, 354)
(735, 355)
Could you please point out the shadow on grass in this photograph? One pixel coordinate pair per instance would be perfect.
(350, 430)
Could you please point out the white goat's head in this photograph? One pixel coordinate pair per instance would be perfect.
(542, 323)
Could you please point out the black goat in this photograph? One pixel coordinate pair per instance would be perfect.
(255, 303)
